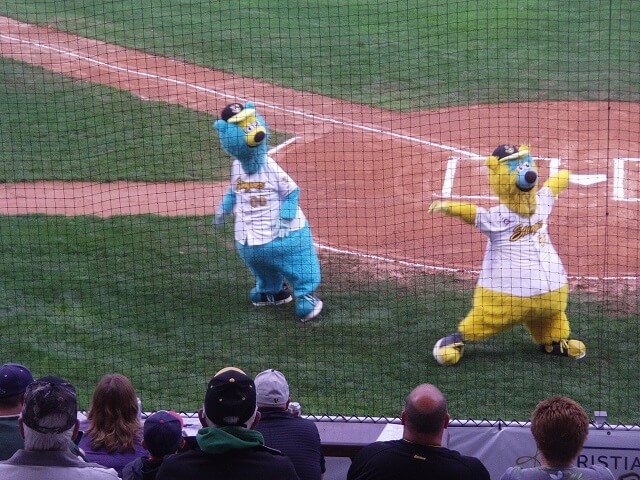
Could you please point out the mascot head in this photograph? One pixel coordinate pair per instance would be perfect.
(243, 135)
(513, 177)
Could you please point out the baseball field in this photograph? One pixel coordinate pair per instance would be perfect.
(111, 172)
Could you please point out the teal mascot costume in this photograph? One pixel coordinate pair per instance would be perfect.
(272, 234)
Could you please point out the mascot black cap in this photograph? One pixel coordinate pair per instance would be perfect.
(504, 150)
(231, 110)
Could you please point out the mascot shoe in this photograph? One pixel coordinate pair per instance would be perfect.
(565, 348)
(263, 299)
(449, 350)
(308, 307)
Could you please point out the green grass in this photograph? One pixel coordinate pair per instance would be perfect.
(414, 54)
(163, 300)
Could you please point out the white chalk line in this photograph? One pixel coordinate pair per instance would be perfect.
(295, 112)
(219, 93)
(433, 268)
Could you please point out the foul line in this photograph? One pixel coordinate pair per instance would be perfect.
(295, 112)
(423, 266)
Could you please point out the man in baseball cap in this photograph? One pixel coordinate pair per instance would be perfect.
(228, 445)
(50, 406)
(230, 399)
(14, 379)
(48, 424)
(272, 389)
(298, 438)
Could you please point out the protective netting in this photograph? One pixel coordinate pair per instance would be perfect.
(111, 172)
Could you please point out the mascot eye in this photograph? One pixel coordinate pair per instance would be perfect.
(251, 127)
(522, 167)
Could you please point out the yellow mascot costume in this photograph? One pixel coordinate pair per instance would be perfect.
(522, 281)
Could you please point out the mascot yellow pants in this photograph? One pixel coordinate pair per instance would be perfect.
(493, 312)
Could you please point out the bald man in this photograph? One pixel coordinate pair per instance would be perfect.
(420, 454)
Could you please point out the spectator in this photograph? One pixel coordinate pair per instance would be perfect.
(419, 454)
(229, 448)
(113, 434)
(296, 437)
(14, 379)
(162, 436)
(560, 427)
(49, 424)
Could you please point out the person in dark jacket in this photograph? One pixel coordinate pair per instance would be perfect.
(228, 446)
(162, 436)
(14, 380)
(298, 438)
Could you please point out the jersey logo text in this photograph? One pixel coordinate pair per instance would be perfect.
(246, 186)
(522, 230)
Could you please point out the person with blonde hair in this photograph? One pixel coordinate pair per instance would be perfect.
(560, 427)
(113, 432)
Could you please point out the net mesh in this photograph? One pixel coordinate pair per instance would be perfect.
(111, 172)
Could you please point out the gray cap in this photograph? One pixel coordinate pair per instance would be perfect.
(272, 388)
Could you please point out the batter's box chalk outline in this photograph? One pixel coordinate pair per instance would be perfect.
(619, 190)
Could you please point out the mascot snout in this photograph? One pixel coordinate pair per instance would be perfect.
(256, 137)
(527, 179)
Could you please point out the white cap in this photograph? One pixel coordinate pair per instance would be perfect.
(271, 388)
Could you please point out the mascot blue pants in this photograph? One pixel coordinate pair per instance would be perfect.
(292, 258)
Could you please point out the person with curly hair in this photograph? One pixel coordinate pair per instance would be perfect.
(560, 427)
